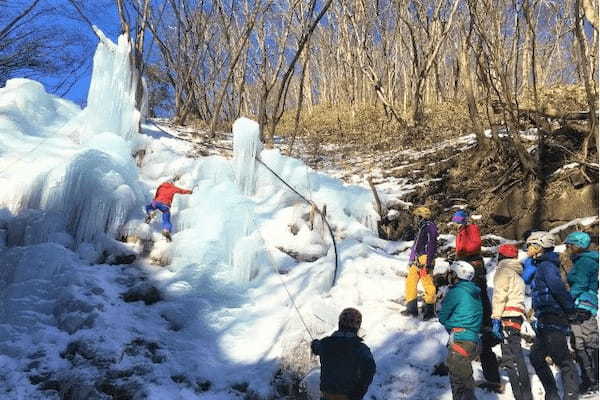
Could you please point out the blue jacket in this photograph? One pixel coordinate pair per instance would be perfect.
(528, 270)
(583, 280)
(347, 365)
(462, 308)
(548, 292)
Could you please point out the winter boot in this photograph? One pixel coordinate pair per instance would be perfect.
(411, 309)
(593, 374)
(167, 236)
(428, 311)
(585, 365)
(552, 396)
(492, 387)
(148, 218)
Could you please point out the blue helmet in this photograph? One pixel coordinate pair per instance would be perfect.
(579, 239)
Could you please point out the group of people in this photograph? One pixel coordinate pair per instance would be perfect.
(564, 304)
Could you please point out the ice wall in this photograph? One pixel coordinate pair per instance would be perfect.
(246, 146)
(111, 98)
(71, 164)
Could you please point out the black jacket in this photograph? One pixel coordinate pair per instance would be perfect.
(347, 365)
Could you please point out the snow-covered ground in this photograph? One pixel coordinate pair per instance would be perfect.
(230, 306)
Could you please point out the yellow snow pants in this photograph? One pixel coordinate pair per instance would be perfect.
(414, 275)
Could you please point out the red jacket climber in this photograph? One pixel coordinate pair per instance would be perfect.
(166, 191)
(162, 201)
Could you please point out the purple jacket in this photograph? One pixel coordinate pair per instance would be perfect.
(425, 243)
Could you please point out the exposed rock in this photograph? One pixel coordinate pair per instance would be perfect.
(519, 211)
(142, 292)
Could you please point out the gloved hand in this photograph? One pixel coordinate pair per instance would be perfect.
(422, 272)
(497, 329)
(582, 315)
(573, 318)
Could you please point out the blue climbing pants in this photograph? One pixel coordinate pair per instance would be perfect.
(166, 213)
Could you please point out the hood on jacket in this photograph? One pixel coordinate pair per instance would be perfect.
(512, 264)
(469, 287)
(593, 255)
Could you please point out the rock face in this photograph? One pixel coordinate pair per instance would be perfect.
(519, 210)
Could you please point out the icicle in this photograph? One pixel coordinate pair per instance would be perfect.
(246, 146)
(111, 98)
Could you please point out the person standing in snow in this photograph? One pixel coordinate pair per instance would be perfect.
(583, 282)
(468, 248)
(162, 202)
(347, 365)
(508, 308)
(421, 261)
(461, 315)
(554, 309)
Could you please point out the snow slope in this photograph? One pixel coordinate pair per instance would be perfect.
(225, 311)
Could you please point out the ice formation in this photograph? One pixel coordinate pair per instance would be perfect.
(246, 146)
(111, 98)
(76, 164)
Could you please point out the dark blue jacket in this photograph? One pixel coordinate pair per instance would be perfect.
(548, 292)
(347, 365)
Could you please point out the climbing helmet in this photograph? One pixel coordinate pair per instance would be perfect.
(423, 212)
(542, 239)
(579, 239)
(463, 270)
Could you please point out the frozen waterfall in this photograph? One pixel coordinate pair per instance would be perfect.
(246, 146)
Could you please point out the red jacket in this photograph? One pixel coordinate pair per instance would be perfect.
(468, 241)
(166, 191)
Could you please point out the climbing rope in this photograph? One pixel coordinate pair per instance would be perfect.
(310, 203)
(285, 287)
(261, 162)
(273, 264)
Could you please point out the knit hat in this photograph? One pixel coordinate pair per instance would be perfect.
(460, 217)
(350, 320)
(508, 251)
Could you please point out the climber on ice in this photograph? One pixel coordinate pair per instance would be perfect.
(162, 202)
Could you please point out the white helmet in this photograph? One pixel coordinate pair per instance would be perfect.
(463, 270)
(543, 239)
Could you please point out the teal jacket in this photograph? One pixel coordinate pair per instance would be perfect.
(462, 308)
(583, 280)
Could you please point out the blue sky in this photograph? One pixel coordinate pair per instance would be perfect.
(107, 20)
